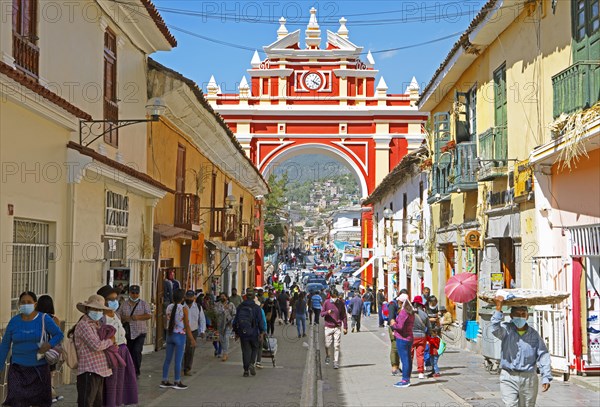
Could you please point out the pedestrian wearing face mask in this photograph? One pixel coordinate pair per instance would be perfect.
(134, 313)
(523, 351)
(121, 387)
(92, 362)
(28, 381)
(225, 312)
(198, 327)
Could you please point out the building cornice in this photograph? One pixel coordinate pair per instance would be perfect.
(355, 73)
(324, 110)
(268, 73)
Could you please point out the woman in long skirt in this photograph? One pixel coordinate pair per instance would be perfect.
(120, 388)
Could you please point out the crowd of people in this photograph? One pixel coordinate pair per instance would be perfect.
(109, 336)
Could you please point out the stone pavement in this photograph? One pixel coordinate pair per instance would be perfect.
(364, 379)
(220, 384)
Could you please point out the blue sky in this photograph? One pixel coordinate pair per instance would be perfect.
(375, 25)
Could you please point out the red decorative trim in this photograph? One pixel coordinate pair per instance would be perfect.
(32, 85)
(160, 23)
(119, 166)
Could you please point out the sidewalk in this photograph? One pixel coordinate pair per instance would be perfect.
(364, 378)
(216, 383)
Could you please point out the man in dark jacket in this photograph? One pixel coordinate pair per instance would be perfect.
(355, 307)
(248, 326)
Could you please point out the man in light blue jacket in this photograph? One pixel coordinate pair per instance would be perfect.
(523, 349)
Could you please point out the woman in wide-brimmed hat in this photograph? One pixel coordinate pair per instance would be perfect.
(93, 364)
(120, 388)
(28, 381)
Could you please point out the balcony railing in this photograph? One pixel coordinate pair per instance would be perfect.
(465, 167)
(493, 151)
(577, 87)
(245, 236)
(231, 232)
(187, 213)
(217, 222)
(27, 55)
(255, 238)
(440, 183)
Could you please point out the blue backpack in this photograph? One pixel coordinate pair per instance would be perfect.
(245, 322)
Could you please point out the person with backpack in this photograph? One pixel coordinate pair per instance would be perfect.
(272, 311)
(248, 327)
(28, 378)
(178, 327)
(316, 302)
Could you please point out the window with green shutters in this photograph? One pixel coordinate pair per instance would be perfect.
(500, 144)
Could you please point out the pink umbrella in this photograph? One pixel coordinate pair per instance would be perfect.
(462, 287)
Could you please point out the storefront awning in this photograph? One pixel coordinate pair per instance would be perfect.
(219, 246)
(364, 266)
(168, 232)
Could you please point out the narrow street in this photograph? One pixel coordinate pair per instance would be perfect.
(362, 380)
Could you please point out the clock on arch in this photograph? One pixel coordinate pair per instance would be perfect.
(313, 81)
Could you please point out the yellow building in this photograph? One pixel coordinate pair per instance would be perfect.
(492, 101)
(206, 228)
(77, 202)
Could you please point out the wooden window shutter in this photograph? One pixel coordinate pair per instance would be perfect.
(111, 108)
(461, 117)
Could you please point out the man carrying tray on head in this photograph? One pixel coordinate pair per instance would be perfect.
(522, 349)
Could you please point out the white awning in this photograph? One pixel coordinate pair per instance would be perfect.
(364, 266)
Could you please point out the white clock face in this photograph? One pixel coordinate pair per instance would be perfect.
(313, 81)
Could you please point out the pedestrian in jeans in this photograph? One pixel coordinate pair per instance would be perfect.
(315, 302)
(334, 317)
(402, 326)
(421, 329)
(258, 363)
(392, 314)
(300, 310)
(248, 327)
(92, 362)
(197, 326)
(134, 312)
(225, 312)
(523, 352)
(178, 327)
(434, 345)
(367, 300)
(355, 307)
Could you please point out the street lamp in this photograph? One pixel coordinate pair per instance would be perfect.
(94, 129)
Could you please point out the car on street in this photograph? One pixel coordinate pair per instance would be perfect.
(312, 288)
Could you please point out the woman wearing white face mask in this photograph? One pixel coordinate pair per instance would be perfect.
(93, 364)
(121, 387)
(29, 374)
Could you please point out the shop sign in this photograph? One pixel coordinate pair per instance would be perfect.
(116, 220)
(497, 281)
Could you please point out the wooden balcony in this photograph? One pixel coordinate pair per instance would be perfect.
(187, 212)
(27, 55)
(255, 238)
(217, 222)
(493, 151)
(231, 225)
(464, 174)
(440, 182)
(577, 87)
(245, 236)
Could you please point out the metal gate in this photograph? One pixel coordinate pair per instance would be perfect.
(30, 251)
